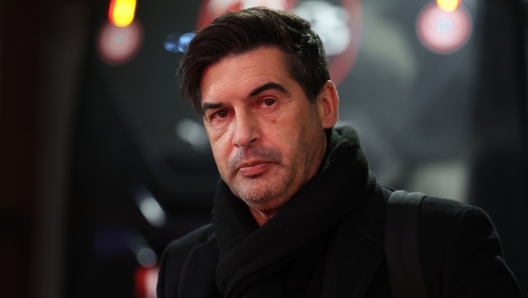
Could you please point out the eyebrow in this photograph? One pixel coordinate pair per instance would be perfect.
(268, 86)
(206, 106)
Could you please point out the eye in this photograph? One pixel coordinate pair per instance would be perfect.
(269, 102)
(221, 114)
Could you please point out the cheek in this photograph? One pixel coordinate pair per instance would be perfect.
(221, 159)
(217, 134)
(285, 137)
(297, 132)
(221, 147)
(215, 131)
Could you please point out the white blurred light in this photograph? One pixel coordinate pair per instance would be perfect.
(152, 211)
(444, 179)
(146, 257)
(152, 282)
(193, 133)
(330, 22)
(224, 5)
(444, 25)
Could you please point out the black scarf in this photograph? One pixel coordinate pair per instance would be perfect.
(261, 262)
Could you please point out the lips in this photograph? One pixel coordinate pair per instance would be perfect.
(253, 161)
(253, 168)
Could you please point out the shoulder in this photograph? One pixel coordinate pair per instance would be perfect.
(443, 222)
(448, 214)
(194, 238)
(461, 251)
(439, 216)
(174, 257)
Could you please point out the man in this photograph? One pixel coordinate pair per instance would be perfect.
(297, 212)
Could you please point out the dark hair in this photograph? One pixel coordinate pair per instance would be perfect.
(238, 32)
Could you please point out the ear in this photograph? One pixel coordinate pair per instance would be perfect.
(327, 103)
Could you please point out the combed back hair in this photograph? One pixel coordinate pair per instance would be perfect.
(238, 32)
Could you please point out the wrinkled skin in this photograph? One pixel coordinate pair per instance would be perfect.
(267, 138)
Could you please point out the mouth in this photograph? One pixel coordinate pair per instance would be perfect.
(253, 168)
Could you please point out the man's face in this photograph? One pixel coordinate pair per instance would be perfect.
(267, 139)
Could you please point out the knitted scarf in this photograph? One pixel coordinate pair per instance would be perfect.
(280, 258)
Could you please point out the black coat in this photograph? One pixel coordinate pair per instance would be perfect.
(460, 252)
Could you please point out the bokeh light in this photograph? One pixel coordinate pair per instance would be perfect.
(121, 12)
(448, 5)
(184, 41)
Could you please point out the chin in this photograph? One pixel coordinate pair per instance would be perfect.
(256, 195)
(258, 192)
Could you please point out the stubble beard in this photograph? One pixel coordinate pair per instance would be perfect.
(272, 190)
(261, 195)
(278, 186)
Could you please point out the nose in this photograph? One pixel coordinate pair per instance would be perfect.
(245, 131)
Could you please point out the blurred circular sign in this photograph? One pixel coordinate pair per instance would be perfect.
(443, 32)
(338, 26)
(118, 45)
(213, 8)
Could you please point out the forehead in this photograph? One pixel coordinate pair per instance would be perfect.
(241, 73)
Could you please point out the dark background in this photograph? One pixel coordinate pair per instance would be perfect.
(84, 144)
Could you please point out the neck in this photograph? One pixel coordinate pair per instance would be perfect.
(262, 217)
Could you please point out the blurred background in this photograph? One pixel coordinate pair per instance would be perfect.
(102, 164)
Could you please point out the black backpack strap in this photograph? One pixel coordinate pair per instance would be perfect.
(401, 245)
